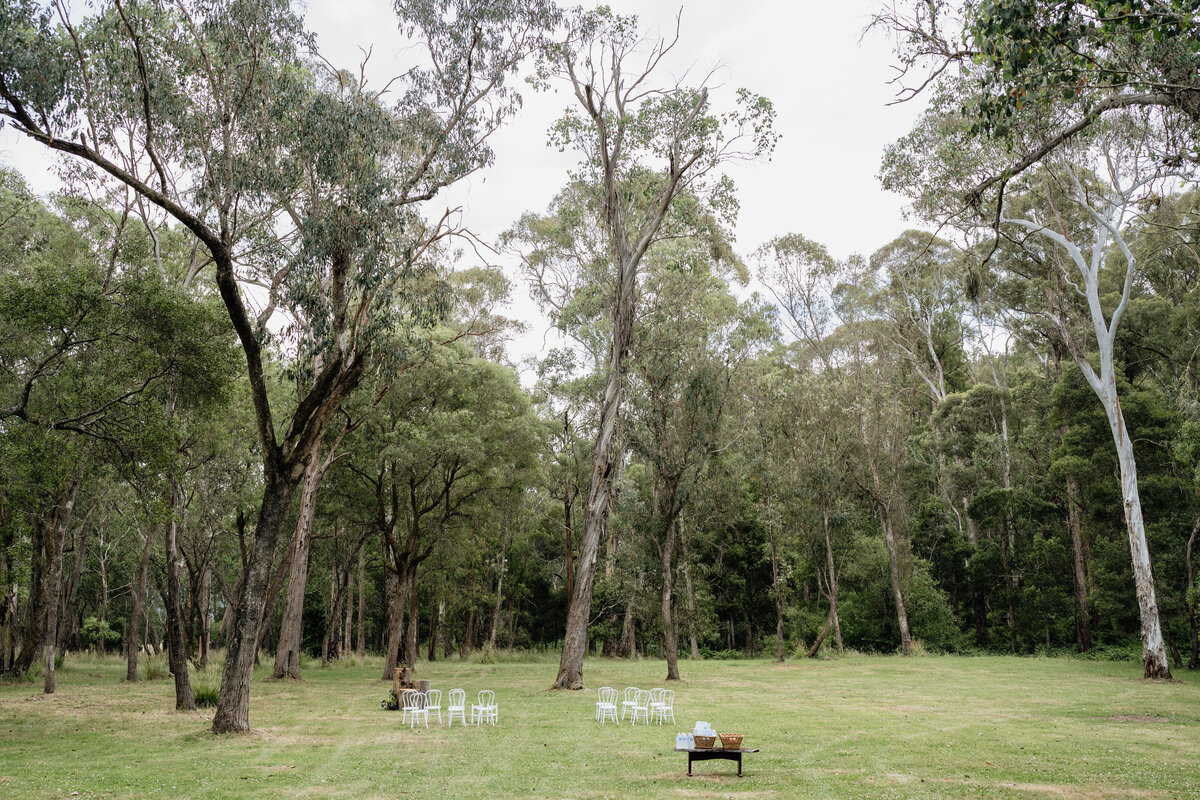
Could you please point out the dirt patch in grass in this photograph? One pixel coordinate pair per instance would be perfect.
(1135, 718)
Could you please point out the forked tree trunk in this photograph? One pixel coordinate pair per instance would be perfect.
(233, 708)
(287, 652)
(1107, 229)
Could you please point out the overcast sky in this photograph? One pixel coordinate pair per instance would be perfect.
(828, 83)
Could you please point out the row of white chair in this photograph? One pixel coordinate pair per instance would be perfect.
(417, 706)
(653, 705)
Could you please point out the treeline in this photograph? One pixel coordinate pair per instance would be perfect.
(249, 399)
(874, 450)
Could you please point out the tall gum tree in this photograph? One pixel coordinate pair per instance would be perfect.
(642, 144)
(1089, 265)
(237, 142)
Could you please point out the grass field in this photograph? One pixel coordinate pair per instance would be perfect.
(858, 727)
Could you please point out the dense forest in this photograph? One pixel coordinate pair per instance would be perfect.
(252, 402)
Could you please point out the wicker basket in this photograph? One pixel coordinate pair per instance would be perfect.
(731, 741)
(704, 742)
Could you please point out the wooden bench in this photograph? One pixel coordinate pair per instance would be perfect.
(709, 753)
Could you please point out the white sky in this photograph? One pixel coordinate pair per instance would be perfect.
(829, 89)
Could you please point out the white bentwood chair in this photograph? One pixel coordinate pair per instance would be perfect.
(416, 707)
(641, 706)
(663, 708)
(606, 705)
(434, 705)
(629, 698)
(484, 709)
(457, 705)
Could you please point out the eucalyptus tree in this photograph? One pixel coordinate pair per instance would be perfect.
(236, 141)
(1075, 63)
(94, 345)
(642, 144)
(829, 305)
(451, 432)
(692, 337)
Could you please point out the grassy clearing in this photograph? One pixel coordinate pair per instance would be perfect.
(859, 727)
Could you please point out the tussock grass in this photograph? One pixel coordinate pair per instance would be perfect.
(851, 727)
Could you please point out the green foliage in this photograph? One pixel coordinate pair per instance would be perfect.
(97, 632)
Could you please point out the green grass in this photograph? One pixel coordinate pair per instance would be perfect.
(858, 727)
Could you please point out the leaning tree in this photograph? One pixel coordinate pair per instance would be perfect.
(210, 110)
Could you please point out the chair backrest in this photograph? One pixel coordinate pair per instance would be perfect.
(435, 698)
(631, 693)
(487, 697)
(656, 696)
(415, 700)
(608, 695)
(642, 698)
(458, 698)
(668, 699)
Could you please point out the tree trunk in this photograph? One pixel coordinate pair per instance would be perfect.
(176, 647)
(410, 645)
(1010, 590)
(68, 637)
(831, 580)
(233, 708)
(670, 624)
(204, 604)
(53, 577)
(1083, 632)
(361, 644)
(1194, 658)
(491, 645)
(287, 652)
(140, 586)
(464, 647)
(690, 598)
(35, 624)
(1154, 654)
(894, 572)
(604, 465)
(348, 622)
(395, 619)
(820, 640)
(627, 647)
(435, 629)
(883, 507)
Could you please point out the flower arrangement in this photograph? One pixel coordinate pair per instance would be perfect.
(392, 703)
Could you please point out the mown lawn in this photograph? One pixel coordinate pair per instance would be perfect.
(858, 727)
